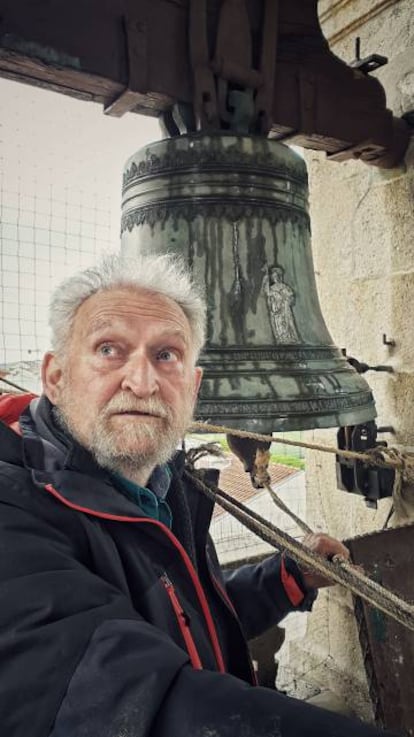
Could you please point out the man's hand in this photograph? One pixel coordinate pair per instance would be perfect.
(326, 546)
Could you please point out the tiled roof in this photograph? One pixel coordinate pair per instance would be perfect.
(236, 481)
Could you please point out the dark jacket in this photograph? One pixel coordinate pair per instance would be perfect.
(111, 625)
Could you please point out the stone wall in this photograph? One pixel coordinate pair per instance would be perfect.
(363, 245)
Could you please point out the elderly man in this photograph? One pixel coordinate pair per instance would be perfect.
(115, 620)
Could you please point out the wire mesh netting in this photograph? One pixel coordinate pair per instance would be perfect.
(60, 190)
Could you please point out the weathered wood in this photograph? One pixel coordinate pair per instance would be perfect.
(133, 55)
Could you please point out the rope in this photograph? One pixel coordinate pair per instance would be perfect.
(338, 570)
(383, 457)
(201, 451)
(15, 386)
(281, 504)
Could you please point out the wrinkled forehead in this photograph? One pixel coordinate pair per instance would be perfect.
(132, 308)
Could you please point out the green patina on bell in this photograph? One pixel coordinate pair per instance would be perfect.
(236, 208)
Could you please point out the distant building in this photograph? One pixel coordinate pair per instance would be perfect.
(24, 374)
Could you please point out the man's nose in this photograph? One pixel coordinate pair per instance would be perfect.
(140, 377)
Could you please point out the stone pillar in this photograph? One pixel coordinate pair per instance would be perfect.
(363, 246)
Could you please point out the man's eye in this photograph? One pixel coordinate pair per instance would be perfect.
(166, 355)
(107, 349)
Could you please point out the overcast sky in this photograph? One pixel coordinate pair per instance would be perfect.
(61, 164)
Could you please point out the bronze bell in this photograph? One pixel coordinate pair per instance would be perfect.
(236, 207)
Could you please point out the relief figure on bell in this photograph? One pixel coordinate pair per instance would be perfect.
(280, 298)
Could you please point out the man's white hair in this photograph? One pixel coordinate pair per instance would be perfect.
(166, 274)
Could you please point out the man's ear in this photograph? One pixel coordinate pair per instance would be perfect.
(52, 377)
(198, 375)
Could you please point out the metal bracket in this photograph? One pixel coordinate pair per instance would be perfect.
(361, 367)
(308, 99)
(390, 342)
(369, 63)
(264, 97)
(356, 477)
(228, 92)
(205, 95)
(232, 62)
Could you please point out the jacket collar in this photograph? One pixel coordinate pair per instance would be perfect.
(11, 445)
(56, 460)
(11, 406)
(59, 464)
(47, 447)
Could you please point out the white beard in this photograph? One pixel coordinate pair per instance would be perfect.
(133, 447)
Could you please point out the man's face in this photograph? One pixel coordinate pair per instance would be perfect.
(127, 385)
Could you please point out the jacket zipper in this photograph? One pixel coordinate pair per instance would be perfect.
(184, 556)
(183, 622)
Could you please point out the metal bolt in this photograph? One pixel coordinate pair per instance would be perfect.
(387, 341)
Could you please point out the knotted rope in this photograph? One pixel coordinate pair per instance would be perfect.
(384, 457)
(339, 570)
